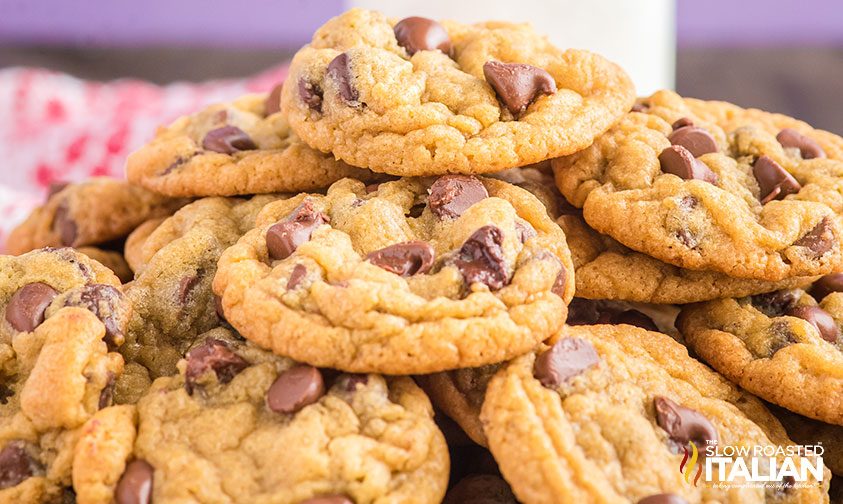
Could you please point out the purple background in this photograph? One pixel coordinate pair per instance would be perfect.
(288, 23)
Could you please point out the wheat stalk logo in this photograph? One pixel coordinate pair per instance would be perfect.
(686, 467)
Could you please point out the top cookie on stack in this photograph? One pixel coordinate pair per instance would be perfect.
(416, 97)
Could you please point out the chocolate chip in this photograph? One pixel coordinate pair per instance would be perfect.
(350, 381)
(16, 465)
(296, 276)
(683, 424)
(679, 161)
(774, 181)
(558, 287)
(310, 94)
(629, 317)
(422, 34)
(5, 393)
(779, 336)
(774, 304)
(697, 140)
(808, 148)
(331, 499)
(294, 389)
(826, 285)
(339, 71)
(181, 160)
(55, 188)
(107, 303)
(688, 238)
(212, 355)
(518, 85)
(26, 307)
(682, 122)
(273, 101)
(818, 240)
(665, 498)
(64, 225)
(822, 321)
(186, 287)
(284, 238)
(480, 259)
(228, 140)
(451, 195)
(525, 232)
(566, 359)
(135, 486)
(405, 259)
(640, 107)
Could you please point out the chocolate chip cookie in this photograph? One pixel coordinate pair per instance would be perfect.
(732, 197)
(416, 97)
(171, 294)
(605, 413)
(605, 269)
(784, 347)
(242, 147)
(239, 424)
(55, 376)
(406, 277)
(92, 212)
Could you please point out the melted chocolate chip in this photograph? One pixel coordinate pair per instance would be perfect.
(683, 424)
(518, 85)
(16, 465)
(681, 123)
(774, 181)
(665, 498)
(186, 287)
(350, 381)
(779, 336)
(294, 389)
(451, 195)
(64, 225)
(480, 259)
(819, 240)
(339, 71)
(310, 94)
(273, 100)
(808, 148)
(697, 140)
(566, 359)
(525, 232)
(212, 355)
(26, 307)
(774, 304)
(181, 160)
(688, 238)
(422, 34)
(107, 303)
(405, 259)
(107, 393)
(679, 161)
(228, 140)
(822, 321)
(826, 285)
(284, 238)
(558, 287)
(296, 276)
(135, 486)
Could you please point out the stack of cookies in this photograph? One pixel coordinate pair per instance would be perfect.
(442, 261)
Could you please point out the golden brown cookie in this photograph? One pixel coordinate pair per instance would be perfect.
(407, 277)
(133, 250)
(811, 432)
(605, 413)
(382, 94)
(711, 196)
(228, 149)
(92, 212)
(784, 347)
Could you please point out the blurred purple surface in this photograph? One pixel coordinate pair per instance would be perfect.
(289, 23)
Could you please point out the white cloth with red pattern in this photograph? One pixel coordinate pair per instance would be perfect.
(56, 127)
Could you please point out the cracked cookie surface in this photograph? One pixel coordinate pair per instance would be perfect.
(92, 212)
(406, 277)
(730, 196)
(379, 94)
(605, 412)
(239, 424)
(242, 147)
(785, 347)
